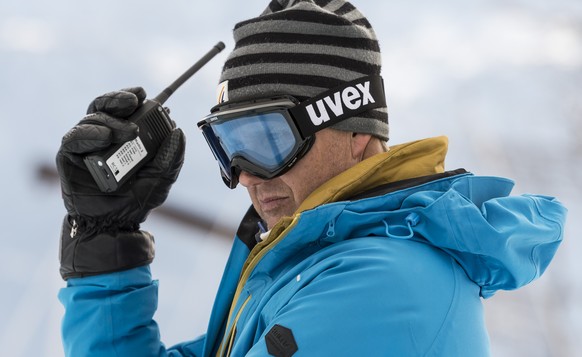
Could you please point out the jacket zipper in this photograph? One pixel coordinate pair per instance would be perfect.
(229, 335)
(232, 332)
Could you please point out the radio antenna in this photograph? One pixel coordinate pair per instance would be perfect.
(166, 93)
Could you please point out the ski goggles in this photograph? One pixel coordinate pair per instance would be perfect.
(265, 137)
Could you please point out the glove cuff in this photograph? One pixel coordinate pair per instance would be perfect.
(104, 252)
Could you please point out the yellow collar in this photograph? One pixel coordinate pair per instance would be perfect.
(404, 161)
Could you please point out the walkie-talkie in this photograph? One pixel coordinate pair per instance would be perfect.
(111, 168)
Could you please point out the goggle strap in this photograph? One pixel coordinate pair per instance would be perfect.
(339, 103)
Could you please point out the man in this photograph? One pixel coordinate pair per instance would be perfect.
(349, 248)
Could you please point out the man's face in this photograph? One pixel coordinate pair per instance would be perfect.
(330, 155)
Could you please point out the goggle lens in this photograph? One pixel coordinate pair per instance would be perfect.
(265, 140)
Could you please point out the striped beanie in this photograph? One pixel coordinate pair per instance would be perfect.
(303, 48)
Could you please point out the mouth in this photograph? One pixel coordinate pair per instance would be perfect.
(271, 203)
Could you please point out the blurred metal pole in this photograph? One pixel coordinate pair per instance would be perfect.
(48, 174)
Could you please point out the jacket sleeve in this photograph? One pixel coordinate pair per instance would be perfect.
(112, 315)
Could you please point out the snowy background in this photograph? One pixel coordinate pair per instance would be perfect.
(501, 78)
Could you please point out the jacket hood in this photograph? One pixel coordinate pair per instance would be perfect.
(501, 241)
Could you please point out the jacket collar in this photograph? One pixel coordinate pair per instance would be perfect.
(410, 160)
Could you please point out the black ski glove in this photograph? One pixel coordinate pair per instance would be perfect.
(101, 230)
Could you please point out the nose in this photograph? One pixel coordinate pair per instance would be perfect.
(248, 180)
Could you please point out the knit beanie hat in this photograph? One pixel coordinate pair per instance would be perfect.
(303, 48)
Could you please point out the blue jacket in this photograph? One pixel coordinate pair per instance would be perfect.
(379, 261)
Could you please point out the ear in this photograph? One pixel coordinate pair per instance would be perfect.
(359, 143)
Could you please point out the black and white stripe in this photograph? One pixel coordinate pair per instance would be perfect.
(302, 48)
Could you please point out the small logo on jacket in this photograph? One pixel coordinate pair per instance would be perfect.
(350, 98)
(280, 342)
